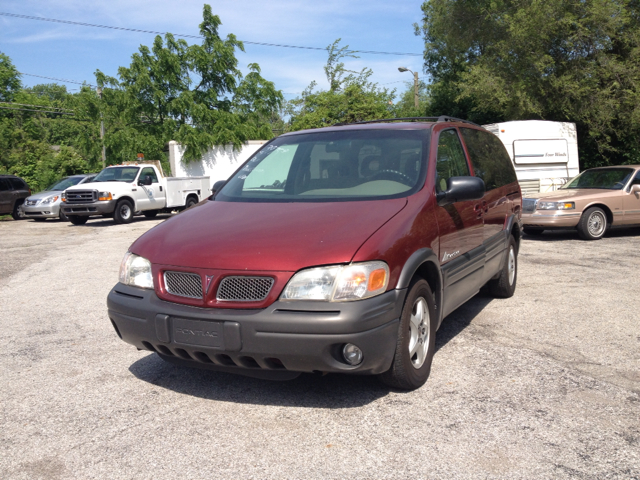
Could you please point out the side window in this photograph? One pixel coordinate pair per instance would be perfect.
(636, 179)
(4, 185)
(151, 172)
(17, 184)
(450, 161)
(489, 158)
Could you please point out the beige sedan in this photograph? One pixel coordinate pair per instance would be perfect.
(592, 202)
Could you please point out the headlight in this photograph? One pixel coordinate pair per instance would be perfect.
(63, 197)
(556, 205)
(136, 271)
(49, 200)
(338, 283)
(104, 196)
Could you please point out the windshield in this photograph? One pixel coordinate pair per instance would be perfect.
(332, 166)
(605, 178)
(65, 183)
(117, 174)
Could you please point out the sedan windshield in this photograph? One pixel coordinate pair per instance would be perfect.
(117, 174)
(65, 183)
(604, 178)
(332, 166)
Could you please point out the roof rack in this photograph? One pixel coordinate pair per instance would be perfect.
(442, 118)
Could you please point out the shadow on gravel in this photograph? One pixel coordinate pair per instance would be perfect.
(98, 222)
(306, 391)
(461, 318)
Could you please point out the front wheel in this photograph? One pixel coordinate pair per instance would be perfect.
(123, 212)
(416, 342)
(77, 220)
(63, 216)
(592, 224)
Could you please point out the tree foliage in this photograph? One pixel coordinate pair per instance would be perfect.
(351, 97)
(576, 61)
(194, 94)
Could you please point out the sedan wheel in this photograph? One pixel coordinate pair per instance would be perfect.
(593, 224)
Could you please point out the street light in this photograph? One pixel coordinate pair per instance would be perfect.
(415, 84)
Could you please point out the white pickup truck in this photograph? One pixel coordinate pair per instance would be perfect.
(120, 191)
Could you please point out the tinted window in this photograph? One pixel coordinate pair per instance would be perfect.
(151, 172)
(331, 166)
(4, 185)
(18, 184)
(451, 161)
(489, 158)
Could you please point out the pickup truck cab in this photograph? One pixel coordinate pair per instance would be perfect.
(121, 190)
(340, 249)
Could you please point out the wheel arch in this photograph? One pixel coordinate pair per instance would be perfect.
(604, 208)
(126, 197)
(424, 263)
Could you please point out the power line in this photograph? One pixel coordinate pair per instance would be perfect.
(58, 79)
(30, 110)
(38, 106)
(137, 30)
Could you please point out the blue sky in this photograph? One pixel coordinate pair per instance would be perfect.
(75, 52)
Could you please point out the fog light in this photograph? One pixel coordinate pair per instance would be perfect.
(352, 354)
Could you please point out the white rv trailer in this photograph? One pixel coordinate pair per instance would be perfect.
(544, 153)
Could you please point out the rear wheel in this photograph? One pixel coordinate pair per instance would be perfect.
(190, 202)
(533, 231)
(77, 220)
(123, 212)
(17, 213)
(416, 339)
(592, 224)
(505, 285)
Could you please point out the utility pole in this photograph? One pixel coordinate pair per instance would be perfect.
(104, 152)
(415, 84)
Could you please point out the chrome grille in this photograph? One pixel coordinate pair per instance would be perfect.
(183, 284)
(81, 196)
(529, 205)
(30, 202)
(244, 289)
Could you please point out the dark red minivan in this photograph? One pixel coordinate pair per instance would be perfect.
(339, 249)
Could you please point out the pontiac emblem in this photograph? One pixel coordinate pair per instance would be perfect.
(207, 284)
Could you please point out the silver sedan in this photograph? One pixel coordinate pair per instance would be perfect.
(46, 204)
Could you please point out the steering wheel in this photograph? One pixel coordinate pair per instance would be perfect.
(388, 174)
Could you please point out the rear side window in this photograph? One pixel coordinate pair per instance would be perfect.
(489, 158)
(18, 184)
(450, 161)
(4, 185)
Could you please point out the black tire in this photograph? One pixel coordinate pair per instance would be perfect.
(63, 216)
(533, 231)
(16, 213)
(505, 285)
(123, 212)
(190, 202)
(593, 224)
(77, 220)
(150, 213)
(408, 370)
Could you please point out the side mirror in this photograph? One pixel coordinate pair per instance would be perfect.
(147, 180)
(217, 186)
(636, 190)
(460, 189)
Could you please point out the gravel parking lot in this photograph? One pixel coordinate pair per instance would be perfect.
(543, 385)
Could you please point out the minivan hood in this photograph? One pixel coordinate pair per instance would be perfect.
(265, 236)
(45, 194)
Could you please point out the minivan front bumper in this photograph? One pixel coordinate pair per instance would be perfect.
(285, 337)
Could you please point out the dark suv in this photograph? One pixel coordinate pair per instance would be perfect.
(13, 191)
(339, 249)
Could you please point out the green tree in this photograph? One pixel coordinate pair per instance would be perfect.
(351, 97)
(498, 60)
(9, 79)
(406, 105)
(194, 94)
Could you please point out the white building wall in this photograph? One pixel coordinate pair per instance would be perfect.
(217, 164)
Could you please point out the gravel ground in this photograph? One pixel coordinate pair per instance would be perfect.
(543, 385)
